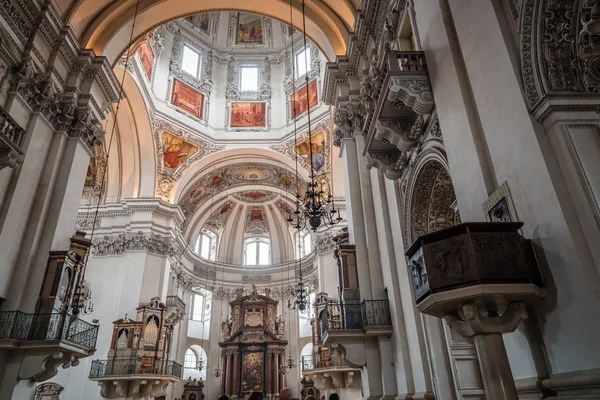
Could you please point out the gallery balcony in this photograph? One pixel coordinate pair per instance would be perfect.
(139, 377)
(369, 318)
(11, 140)
(47, 341)
(400, 110)
(176, 308)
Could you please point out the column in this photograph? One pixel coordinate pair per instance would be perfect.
(39, 141)
(277, 373)
(229, 375)
(269, 380)
(369, 221)
(401, 354)
(355, 215)
(486, 328)
(236, 371)
(52, 218)
(225, 372)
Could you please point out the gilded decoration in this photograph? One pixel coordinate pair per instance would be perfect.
(253, 344)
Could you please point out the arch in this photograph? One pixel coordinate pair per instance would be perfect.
(198, 353)
(430, 197)
(105, 26)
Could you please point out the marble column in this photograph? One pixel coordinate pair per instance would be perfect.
(224, 373)
(355, 215)
(236, 371)
(229, 377)
(269, 380)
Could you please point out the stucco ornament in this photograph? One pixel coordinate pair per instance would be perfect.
(125, 242)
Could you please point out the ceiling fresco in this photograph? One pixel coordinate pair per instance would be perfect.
(227, 177)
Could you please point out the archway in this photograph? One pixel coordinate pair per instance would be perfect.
(105, 26)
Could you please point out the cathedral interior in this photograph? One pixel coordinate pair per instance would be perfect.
(374, 199)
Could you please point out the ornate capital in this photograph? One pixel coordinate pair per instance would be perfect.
(349, 121)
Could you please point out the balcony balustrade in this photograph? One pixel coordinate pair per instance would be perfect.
(369, 313)
(133, 366)
(19, 326)
(176, 308)
(11, 139)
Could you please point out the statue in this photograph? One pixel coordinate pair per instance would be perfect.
(226, 327)
(279, 325)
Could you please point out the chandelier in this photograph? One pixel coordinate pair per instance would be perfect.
(200, 364)
(316, 207)
(82, 300)
(302, 295)
(217, 371)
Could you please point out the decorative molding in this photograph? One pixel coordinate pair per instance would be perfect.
(256, 278)
(204, 273)
(48, 391)
(126, 242)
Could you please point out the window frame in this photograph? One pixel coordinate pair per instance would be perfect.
(198, 66)
(301, 238)
(193, 304)
(185, 358)
(212, 244)
(306, 65)
(240, 76)
(257, 242)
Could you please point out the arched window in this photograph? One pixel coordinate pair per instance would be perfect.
(206, 245)
(190, 359)
(257, 252)
(303, 243)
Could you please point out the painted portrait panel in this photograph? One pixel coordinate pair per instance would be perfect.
(249, 29)
(175, 151)
(252, 372)
(147, 58)
(201, 21)
(187, 99)
(298, 101)
(248, 115)
(317, 141)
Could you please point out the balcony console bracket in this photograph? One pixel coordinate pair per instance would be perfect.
(137, 387)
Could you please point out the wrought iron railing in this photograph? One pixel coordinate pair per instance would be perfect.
(337, 316)
(18, 325)
(134, 366)
(10, 129)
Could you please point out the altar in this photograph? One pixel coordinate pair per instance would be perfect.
(253, 348)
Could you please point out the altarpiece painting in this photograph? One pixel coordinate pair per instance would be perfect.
(253, 348)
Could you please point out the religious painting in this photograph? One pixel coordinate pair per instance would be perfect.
(253, 317)
(499, 207)
(147, 58)
(249, 29)
(256, 215)
(187, 99)
(175, 151)
(254, 195)
(252, 372)
(248, 115)
(315, 148)
(284, 207)
(90, 176)
(226, 207)
(298, 101)
(252, 174)
(201, 21)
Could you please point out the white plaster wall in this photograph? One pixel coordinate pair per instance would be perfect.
(517, 158)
